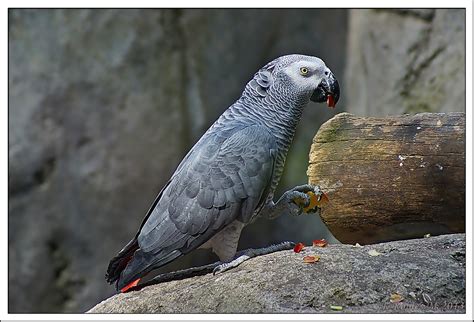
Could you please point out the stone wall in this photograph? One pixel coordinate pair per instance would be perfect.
(406, 61)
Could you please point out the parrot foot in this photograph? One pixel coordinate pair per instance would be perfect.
(297, 201)
(244, 255)
(303, 189)
(301, 199)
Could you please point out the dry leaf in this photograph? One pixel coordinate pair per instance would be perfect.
(395, 298)
(373, 252)
(311, 259)
(336, 307)
(298, 247)
(320, 243)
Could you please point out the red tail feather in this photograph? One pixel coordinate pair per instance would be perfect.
(130, 285)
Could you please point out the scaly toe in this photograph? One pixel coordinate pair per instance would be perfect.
(221, 268)
(304, 188)
(301, 199)
(226, 266)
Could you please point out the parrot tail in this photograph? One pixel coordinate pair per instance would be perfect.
(119, 262)
(141, 264)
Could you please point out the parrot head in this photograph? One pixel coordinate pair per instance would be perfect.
(296, 78)
(309, 77)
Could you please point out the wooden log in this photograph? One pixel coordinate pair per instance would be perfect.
(391, 178)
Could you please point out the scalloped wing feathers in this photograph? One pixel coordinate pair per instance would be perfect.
(216, 185)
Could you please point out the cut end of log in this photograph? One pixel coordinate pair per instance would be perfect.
(391, 178)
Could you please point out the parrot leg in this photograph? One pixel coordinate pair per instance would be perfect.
(291, 202)
(179, 275)
(217, 267)
(244, 255)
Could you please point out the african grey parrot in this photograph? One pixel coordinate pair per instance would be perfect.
(228, 178)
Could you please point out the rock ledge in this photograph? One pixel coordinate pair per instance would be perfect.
(428, 273)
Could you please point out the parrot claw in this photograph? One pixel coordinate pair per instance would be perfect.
(226, 266)
(301, 199)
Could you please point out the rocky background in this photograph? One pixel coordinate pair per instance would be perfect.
(103, 104)
(405, 61)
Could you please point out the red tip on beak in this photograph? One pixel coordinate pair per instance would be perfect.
(330, 101)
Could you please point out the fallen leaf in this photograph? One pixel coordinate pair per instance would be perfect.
(395, 298)
(310, 259)
(320, 243)
(336, 307)
(373, 252)
(413, 295)
(298, 247)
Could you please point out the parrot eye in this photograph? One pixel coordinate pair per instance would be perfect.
(304, 71)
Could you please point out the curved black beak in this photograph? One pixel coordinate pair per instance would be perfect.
(327, 91)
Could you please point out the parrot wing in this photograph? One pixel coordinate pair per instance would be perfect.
(219, 181)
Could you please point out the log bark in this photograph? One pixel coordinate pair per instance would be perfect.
(428, 273)
(392, 177)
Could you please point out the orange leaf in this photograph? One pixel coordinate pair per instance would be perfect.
(312, 201)
(315, 201)
(310, 259)
(323, 199)
(320, 243)
(298, 247)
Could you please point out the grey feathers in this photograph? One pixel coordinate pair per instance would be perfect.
(261, 82)
(208, 191)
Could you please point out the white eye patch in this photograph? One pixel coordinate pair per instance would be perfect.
(313, 75)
